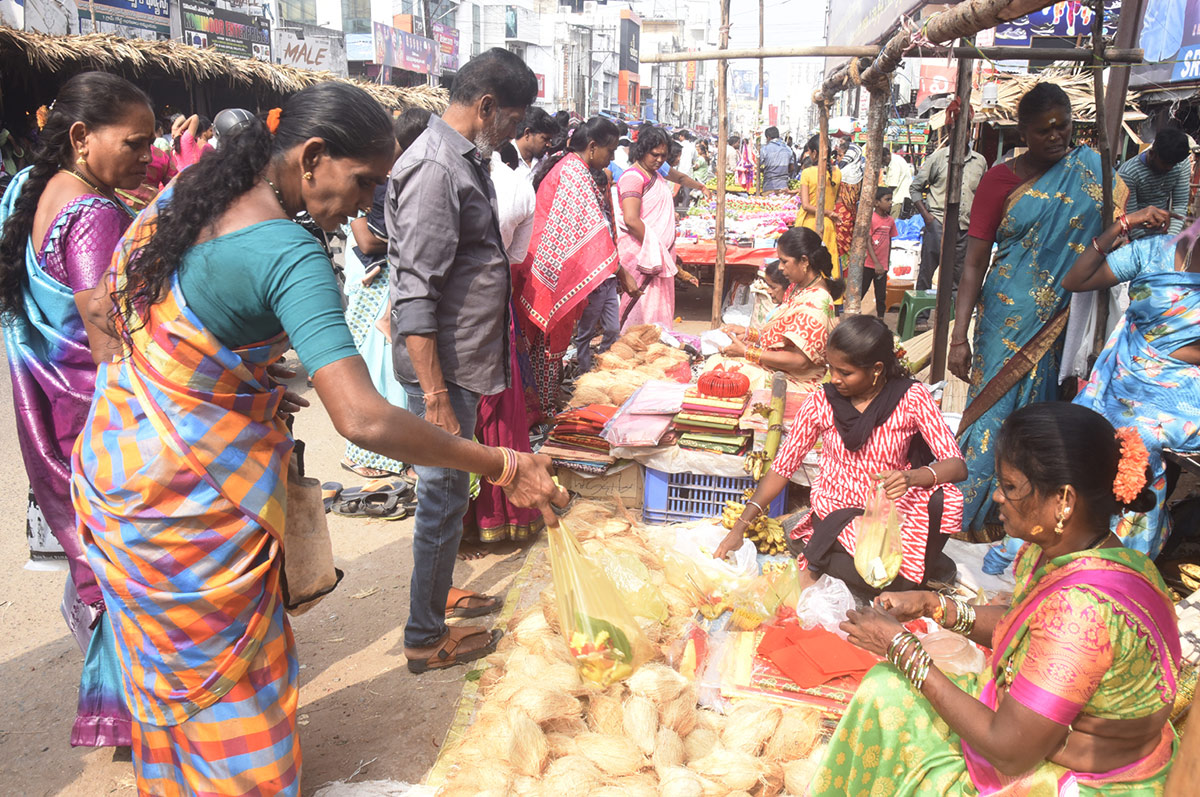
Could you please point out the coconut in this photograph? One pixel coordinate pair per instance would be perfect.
(606, 714)
(700, 743)
(657, 682)
(640, 722)
(571, 726)
(540, 704)
(749, 725)
(622, 350)
(475, 781)
(529, 627)
(549, 608)
(525, 786)
(527, 745)
(560, 744)
(710, 719)
(771, 782)
(797, 775)
(680, 782)
(642, 784)
(680, 714)
(614, 755)
(668, 750)
(678, 601)
(729, 768)
(571, 774)
(797, 734)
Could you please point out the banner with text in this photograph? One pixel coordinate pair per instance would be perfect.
(224, 31)
(396, 48)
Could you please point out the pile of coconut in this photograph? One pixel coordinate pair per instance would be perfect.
(637, 357)
(540, 729)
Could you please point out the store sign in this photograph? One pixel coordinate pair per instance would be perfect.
(320, 53)
(859, 22)
(936, 78)
(510, 22)
(631, 39)
(396, 48)
(1066, 19)
(226, 32)
(447, 39)
(131, 19)
(690, 76)
(744, 83)
(1170, 39)
(541, 81)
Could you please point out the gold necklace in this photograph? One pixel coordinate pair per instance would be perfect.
(278, 195)
(98, 191)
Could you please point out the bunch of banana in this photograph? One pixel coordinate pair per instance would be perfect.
(765, 532)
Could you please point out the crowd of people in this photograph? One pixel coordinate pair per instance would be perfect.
(155, 426)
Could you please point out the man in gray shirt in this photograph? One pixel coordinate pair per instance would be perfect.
(449, 295)
(928, 194)
(777, 161)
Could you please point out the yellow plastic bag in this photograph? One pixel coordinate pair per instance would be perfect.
(607, 643)
(877, 551)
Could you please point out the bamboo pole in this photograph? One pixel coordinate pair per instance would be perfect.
(1128, 27)
(877, 115)
(822, 161)
(1113, 55)
(760, 176)
(722, 167)
(959, 144)
(1102, 144)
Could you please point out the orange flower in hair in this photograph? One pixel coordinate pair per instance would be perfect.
(1131, 470)
(273, 119)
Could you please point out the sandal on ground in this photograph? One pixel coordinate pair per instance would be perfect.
(330, 491)
(382, 505)
(391, 486)
(458, 603)
(348, 505)
(364, 471)
(447, 651)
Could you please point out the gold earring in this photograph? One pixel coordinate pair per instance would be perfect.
(308, 175)
(1036, 530)
(875, 381)
(81, 161)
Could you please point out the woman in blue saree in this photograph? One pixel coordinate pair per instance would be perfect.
(1041, 210)
(1148, 375)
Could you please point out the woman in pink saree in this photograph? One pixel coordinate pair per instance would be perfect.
(646, 232)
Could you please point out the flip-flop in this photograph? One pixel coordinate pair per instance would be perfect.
(397, 487)
(446, 655)
(330, 491)
(458, 609)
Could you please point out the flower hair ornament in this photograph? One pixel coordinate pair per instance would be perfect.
(1131, 470)
(273, 119)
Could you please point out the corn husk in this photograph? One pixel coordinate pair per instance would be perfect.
(571, 774)
(797, 734)
(680, 782)
(614, 755)
(700, 743)
(748, 726)
(680, 714)
(657, 682)
(729, 768)
(606, 714)
(798, 774)
(527, 745)
(640, 722)
(668, 751)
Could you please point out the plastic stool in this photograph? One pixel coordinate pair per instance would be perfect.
(915, 302)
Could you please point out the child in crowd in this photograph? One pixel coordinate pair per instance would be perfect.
(879, 253)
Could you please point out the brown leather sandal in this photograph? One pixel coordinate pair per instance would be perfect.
(447, 652)
(458, 603)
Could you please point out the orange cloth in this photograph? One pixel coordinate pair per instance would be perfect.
(813, 656)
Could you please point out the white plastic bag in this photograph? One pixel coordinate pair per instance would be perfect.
(698, 541)
(825, 604)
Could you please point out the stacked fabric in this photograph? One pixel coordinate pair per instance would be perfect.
(575, 441)
(705, 423)
(754, 418)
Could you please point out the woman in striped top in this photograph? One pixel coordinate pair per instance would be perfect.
(877, 427)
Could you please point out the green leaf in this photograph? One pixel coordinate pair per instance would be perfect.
(473, 675)
(591, 628)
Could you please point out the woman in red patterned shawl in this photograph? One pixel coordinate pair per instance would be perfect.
(571, 253)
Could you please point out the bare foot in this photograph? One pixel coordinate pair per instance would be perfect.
(471, 550)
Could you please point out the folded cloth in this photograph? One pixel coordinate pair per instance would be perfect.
(751, 419)
(813, 656)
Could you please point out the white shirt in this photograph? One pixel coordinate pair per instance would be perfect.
(515, 203)
(621, 157)
(688, 158)
(525, 170)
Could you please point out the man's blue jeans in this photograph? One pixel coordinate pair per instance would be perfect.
(442, 497)
(604, 311)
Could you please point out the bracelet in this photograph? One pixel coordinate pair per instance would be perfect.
(432, 393)
(509, 473)
(752, 336)
(954, 343)
(757, 506)
(1096, 246)
(964, 616)
(754, 355)
(1124, 222)
(939, 614)
(933, 472)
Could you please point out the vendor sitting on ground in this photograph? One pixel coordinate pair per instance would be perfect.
(793, 339)
(878, 428)
(1084, 672)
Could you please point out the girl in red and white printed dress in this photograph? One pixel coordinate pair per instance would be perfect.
(876, 426)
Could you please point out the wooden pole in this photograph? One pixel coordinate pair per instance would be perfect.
(822, 162)
(877, 115)
(1102, 144)
(1003, 53)
(1128, 28)
(722, 167)
(959, 144)
(761, 176)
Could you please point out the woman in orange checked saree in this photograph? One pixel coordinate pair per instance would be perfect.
(178, 477)
(1082, 679)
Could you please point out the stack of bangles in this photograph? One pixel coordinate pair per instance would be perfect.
(906, 655)
(754, 355)
(964, 614)
(509, 474)
(1123, 220)
(752, 336)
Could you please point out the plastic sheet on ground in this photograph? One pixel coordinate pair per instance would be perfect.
(673, 459)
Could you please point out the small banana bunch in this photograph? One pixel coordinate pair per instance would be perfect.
(757, 463)
(765, 532)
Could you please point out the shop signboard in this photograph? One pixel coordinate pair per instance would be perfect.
(1170, 38)
(447, 39)
(228, 32)
(510, 22)
(690, 76)
(900, 132)
(1065, 19)
(55, 17)
(859, 22)
(315, 51)
(541, 81)
(131, 19)
(360, 46)
(744, 83)
(935, 78)
(631, 35)
(403, 50)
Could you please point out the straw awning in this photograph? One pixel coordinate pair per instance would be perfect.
(1012, 87)
(56, 55)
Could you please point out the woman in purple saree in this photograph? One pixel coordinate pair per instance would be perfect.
(1083, 674)
(62, 221)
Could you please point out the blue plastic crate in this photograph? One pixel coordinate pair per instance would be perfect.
(676, 497)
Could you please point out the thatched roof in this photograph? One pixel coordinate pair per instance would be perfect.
(58, 54)
(1012, 87)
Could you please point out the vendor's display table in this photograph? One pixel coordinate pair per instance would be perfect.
(704, 253)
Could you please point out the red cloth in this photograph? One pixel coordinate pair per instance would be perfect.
(813, 656)
(706, 254)
(988, 209)
(883, 230)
